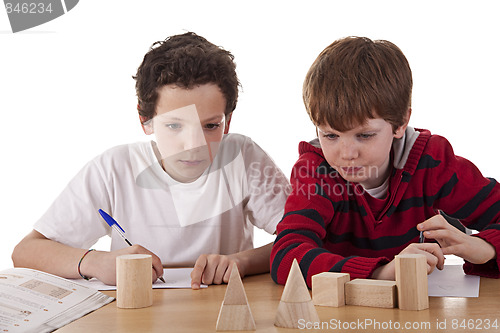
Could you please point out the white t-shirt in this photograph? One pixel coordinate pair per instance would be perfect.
(177, 221)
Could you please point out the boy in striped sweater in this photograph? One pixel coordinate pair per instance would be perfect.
(365, 189)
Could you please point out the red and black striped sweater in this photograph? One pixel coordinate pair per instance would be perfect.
(329, 226)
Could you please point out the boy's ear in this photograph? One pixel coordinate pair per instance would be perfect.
(228, 121)
(400, 131)
(147, 125)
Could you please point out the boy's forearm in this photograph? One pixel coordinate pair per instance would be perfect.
(38, 252)
(256, 260)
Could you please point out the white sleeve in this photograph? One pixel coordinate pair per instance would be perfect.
(268, 188)
(73, 218)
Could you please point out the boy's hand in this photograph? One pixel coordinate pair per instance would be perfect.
(454, 241)
(214, 269)
(432, 252)
(102, 265)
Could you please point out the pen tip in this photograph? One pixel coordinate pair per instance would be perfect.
(162, 279)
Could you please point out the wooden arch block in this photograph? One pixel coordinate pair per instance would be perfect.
(296, 303)
(235, 314)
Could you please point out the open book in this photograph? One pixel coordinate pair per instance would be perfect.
(34, 301)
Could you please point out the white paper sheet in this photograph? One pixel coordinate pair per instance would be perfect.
(453, 282)
(174, 278)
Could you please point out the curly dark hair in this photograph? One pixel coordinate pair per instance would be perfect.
(185, 60)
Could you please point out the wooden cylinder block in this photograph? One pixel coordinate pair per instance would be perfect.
(134, 286)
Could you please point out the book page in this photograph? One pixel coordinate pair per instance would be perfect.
(33, 301)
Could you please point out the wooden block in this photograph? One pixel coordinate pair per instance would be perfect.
(411, 279)
(295, 290)
(235, 314)
(296, 303)
(235, 318)
(235, 292)
(328, 288)
(134, 281)
(289, 314)
(367, 292)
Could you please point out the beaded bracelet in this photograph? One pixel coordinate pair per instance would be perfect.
(83, 276)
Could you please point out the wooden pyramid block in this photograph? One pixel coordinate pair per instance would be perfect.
(296, 304)
(235, 314)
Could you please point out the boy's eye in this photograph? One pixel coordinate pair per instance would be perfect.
(173, 126)
(366, 135)
(330, 136)
(212, 126)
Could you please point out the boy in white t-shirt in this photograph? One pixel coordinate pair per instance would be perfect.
(189, 198)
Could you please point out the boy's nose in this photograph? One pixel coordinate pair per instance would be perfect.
(194, 139)
(348, 151)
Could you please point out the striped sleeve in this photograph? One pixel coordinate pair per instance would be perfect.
(462, 192)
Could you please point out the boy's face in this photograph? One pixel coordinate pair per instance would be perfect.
(189, 125)
(361, 154)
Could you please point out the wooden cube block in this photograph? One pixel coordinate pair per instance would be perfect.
(367, 292)
(411, 279)
(328, 288)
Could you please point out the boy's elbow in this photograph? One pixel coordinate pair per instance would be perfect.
(17, 258)
(274, 268)
(21, 254)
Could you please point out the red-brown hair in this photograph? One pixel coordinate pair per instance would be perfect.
(355, 79)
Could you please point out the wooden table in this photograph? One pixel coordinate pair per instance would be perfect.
(186, 310)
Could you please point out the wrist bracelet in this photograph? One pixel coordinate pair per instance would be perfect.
(83, 276)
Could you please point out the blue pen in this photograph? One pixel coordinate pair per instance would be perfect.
(113, 224)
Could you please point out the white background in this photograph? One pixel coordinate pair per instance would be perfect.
(67, 93)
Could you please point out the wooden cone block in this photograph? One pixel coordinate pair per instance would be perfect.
(290, 314)
(368, 292)
(134, 286)
(328, 288)
(296, 303)
(235, 314)
(411, 280)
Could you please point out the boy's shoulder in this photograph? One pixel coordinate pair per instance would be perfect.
(126, 154)
(235, 138)
(312, 146)
(312, 162)
(427, 151)
(234, 142)
(311, 151)
(124, 150)
(437, 145)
